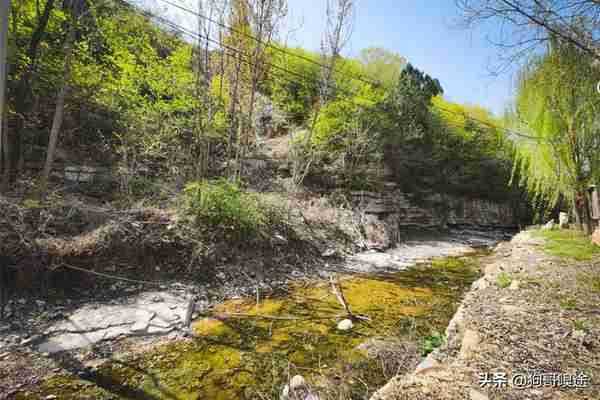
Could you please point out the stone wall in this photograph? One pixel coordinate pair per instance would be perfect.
(395, 210)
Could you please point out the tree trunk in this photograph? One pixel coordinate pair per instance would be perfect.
(58, 113)
(5, 156)
(578, 213)
(3, 74)
(22, 106)
(587, 215)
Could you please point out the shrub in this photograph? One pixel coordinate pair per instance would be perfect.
(223, 203)
(141, 186)
(568, 304)
(432, 342)
(503, 280)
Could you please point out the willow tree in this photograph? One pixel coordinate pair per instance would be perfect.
(558, 104)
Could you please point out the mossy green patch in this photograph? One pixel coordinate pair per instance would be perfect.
(244, 349)
(503, 280)
(568, 244)
(212, 327)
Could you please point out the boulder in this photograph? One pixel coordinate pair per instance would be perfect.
(549, 225)
(345, 325)
(297, 389)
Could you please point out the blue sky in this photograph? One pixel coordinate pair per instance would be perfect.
(423, 31)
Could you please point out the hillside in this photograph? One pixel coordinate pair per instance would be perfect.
(212, 213)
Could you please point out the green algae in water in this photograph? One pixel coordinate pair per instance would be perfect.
(244, 349)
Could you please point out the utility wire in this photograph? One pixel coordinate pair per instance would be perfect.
(493, 126)
(303, 78)
(243, 57)
(271, 45)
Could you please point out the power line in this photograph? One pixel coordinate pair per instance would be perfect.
(240, 53)
(243, 57)
(271, 45)
(490, 125)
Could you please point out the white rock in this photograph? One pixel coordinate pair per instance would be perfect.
(563, 220)
(285, 393)
(297, 382)
(329, 253)
(514, 285)
(549, 225)
(427, 363)
(345, 325)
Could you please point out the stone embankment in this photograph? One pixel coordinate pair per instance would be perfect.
(388, 211)
(528, 329)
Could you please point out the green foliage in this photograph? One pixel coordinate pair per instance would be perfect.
(580, 325)
(223, 203)
(142, 186)
(568, 244)
(568, 303)
(557, 104)
(432, 342)
(595, 283)
(349, 123)
(382, 65)
(471, 154)
(293, 95)
(503, 280)
(409, 123)
(133, 99)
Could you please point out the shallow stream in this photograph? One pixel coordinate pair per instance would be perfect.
(248, 350)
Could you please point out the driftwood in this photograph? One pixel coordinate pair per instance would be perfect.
(339, 294)
(189, 312)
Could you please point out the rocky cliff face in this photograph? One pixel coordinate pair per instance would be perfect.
(391, 209)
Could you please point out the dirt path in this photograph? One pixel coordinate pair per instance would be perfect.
(529, 329)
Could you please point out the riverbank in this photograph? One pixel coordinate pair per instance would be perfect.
(88, 347)
(528, 329)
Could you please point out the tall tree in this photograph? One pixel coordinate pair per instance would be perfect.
(337, 35)
(75, 10)
(409, 122)
(382, 65)
(23, 102)
(557, 101)
(4, 18)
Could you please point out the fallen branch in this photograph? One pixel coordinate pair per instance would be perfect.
(339, 294)
(190, 310)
